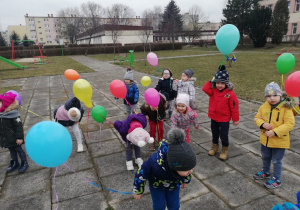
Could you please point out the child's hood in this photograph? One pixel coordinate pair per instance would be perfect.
(289, 102)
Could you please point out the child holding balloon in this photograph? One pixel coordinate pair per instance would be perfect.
(184, 116)
(186, 85)
(71, 114)
(223, 106)
(132, 95)
(165, 85)
(11, 131)
(155, 111)
(275, 120)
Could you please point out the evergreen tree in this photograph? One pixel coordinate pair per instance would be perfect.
(237, 13)
(14, 36)
(25, 38)
(2, 40)
(172, 21)
(259, 24)
(279, 21)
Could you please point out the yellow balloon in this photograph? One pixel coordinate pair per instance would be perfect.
(146, 81)
(82, 89)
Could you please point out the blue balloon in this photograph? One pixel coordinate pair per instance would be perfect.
(227, 38)
(48, 144)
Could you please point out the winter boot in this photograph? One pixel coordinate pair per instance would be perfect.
(24, 166)
(14, 164)
(223, 155)
(79, 148)
(213, 150)
(129, 165)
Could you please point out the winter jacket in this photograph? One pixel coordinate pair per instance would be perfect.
(223, 105)
(185, 87)
(11, 127)
(124, 126)
(162, 107)
(165, 85)
(184, 121)
(282, 120)
(157, 171)
(70, 103)
(132, 95)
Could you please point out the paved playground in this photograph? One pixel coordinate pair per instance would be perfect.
(216, 184)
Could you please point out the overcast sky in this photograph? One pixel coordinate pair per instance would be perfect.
(12, 11)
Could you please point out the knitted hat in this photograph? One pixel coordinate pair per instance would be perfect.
(285, 206)
(183, 98)
(7, 99)
(72, 102)
(189, 73)
(181, 156)
(74, 114)
(222, 75)
(129, 75)
(273, 89)
(164, 95)
(139, 137)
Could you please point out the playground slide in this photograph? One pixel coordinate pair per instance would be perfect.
(12, 63)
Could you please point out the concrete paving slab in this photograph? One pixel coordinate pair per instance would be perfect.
(207, 201)
(209, 166)
(145, 203)
(249, 126)
(107, 147)
(111, 164)
(194, 189)
(22, 185)
(266, 202)
(2, 174)
(232, 192)
(197, 149)
(291, 162)
(239, 136)
(233, 150)
(4, 157)
(95, 201)
(41, 201)
(74, 185)
(201, 135)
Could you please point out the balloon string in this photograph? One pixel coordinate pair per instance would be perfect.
(265, 117)
(126, 193)
(31, 112)
(103, 117)
(295, 109)
(223, 60)
(160, 69)
(130, 105)
(154, 75)
(87, 124)
(282, 83)
(100, 135)
(54, 188)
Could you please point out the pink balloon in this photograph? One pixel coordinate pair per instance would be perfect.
(292, 84)
(152, 97)
(152, 59)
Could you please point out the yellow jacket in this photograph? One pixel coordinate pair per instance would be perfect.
(282, 120)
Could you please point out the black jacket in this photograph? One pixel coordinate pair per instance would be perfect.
(11, 129)
(165, 85)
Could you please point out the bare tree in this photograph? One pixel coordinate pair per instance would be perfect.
(91, 18)
(118, 14)
(147, 30)
(69, 23)
(157, 17)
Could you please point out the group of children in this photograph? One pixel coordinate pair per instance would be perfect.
(174, 161)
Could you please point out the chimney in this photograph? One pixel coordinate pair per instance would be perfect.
(48, 15)
(71, 15)
(51, 15)
(74, 15)
(26, 14)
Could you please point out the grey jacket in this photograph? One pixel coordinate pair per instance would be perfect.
(185, 87)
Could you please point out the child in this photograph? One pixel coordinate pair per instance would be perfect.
(11, 132)
(184, 116)
(132, 124)
(186, 85)
(154, 120)
(69, 115)
(287, 205)
(275, 120)
(223, 105)
(166, 170)
(132, 95)
(165, 85)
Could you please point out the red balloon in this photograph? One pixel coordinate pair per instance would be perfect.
(292, 84)
(118, 89)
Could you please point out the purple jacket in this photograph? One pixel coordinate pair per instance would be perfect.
(123, 126)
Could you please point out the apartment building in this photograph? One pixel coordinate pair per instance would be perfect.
(20, 30)
(294, 8)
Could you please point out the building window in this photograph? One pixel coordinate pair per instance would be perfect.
(47, 31)
(39, 21)
(40, 27)
(41, 39)
(47, 25)
(31, 25)
(289, 5)
(33, 37)
(32, 31)
(57, 36)
(50, 41)
(48, 36)
(270, 6)
(297, 6)
(46, 19)
(40, 33)
(294, 29)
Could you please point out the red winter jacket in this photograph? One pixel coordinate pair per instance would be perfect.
(222, 105)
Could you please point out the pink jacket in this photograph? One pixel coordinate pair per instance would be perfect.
(184, 121)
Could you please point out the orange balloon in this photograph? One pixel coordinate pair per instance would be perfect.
(71, 74)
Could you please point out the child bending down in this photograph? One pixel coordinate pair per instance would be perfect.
(183, 116)
(166, 170)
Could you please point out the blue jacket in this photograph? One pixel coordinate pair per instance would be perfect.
(132, 95)
(157, 171)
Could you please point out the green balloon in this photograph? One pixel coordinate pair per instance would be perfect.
(285, 63)
(99, 114)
